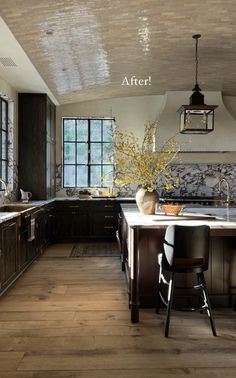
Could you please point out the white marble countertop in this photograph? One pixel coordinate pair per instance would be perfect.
(215, 217)
(7, 215)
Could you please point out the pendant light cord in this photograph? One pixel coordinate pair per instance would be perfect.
(196, 37)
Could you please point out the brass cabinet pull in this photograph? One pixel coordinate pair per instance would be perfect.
(108, 216)
(108, 227)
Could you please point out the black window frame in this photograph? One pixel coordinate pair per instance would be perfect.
(3, 130)
(89, 141)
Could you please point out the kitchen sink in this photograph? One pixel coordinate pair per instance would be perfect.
(15, 208)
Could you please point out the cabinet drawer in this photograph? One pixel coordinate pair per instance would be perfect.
(104, 206)
(103, 230)
(71, 206)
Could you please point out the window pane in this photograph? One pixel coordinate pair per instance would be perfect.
(69, 175)
(82, 130)
(107, 130)
(69, 153)
(82, 175)
(107, 175)
(4, 115)
(82, 153)
(69, 130)
(107, 152)
(95, 179)
(4, 147)
(96, 154)
(95, 130)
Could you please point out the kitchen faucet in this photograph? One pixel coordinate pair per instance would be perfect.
(7, 191)
(221, 181)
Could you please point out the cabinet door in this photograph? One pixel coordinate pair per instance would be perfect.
(50, 150)
(63, 226)
(81, 226)
(49, 221)
(71, 225)
(8, 251)
(36, 122)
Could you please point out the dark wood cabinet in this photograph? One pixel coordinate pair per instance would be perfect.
(23, 252)
(89, 219)
(36, 123)
(71, 220)
(46, 225)
(36, 246)
(31, 238)
(22, 240)
(8, 252)
(104, 219)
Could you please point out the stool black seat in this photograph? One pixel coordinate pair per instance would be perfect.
(185, 250)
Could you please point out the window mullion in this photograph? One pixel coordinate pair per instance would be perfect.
(89, 152)
(76, 159)
(102, 179)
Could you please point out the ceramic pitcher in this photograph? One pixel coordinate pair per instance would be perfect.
(25, 196)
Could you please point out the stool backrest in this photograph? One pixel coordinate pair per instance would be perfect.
(186, 242)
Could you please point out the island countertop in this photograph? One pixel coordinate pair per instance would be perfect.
(214, 217)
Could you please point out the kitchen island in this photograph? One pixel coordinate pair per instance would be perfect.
(142, 240)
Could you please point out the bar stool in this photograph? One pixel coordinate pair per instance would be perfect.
(186, 250)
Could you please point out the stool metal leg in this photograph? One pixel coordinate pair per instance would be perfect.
(169, 305)
(207, 305)
(159, 290)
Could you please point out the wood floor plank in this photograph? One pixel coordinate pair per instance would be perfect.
(138, 359)
(128, 373)
(9, 361)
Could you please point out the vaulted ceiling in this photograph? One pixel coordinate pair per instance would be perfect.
(83, 49)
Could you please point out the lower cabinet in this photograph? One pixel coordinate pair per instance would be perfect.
(71, 221)
(89, 219)
(104, 219)
(8, 252)
(47, 225)
(22, 239)
(27, 235)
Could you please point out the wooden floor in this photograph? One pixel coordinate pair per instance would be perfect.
(68, 317)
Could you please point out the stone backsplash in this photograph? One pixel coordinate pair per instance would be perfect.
(195, 180)
(202, 180)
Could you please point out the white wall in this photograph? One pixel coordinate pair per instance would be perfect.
(132, 113)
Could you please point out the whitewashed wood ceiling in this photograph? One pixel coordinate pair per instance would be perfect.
(83, 49)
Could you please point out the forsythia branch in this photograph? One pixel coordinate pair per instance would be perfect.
(139, 163)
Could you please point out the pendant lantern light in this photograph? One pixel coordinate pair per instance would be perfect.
(197, 117)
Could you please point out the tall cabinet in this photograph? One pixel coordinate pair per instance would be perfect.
(36, 123)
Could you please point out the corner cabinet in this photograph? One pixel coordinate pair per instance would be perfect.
(36, 122)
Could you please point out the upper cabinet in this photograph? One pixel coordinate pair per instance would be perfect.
(36, 122)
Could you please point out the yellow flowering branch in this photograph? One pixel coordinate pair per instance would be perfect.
(138, 164)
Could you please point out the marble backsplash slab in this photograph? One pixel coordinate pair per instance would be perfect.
(195, 180)
(202, 180)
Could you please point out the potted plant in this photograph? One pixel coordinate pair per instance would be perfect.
(145, 164)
